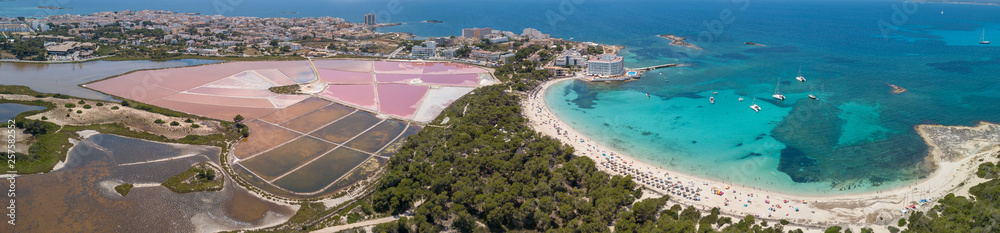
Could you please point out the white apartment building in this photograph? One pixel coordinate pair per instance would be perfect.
(605, 65)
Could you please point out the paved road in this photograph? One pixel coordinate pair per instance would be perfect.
(393, 54)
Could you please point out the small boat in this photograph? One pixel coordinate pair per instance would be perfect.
(811, 96)
(741, 99)
(755, 107)
(982, 39)
(711, 99)
(647, 95)
(800, 78)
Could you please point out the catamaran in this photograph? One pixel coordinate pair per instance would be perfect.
(982, 39)
(800, 78)
(754, 106)
(777, 95)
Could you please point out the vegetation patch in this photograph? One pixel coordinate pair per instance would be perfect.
(123, 189)
(287, 89)
(200, 177)
(153, 109)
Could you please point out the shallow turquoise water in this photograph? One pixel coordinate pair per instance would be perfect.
(857, 137)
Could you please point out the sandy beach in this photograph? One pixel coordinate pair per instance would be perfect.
(955, 163)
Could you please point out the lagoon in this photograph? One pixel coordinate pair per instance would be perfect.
(63, 78)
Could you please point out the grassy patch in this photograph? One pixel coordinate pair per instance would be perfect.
(154, 109)
(200, 177)
(123, 189)
(287, 89)
(23, 90)
(47, 150)
(308, 211)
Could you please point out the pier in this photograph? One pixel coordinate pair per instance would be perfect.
(648, 68)
(630, 73)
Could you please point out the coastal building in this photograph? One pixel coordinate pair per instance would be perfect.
(485, 55)
(292, 45)
(66, 48)
(425, 49)
(534, 34)
(605, 65)
(571, 58)
(49, 38)
(503, 58)
(14, 27)
(476, 33)
(370, 19)
(449, 52)
(557, 71)
(496, 39)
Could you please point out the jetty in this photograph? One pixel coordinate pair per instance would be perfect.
(648, 68)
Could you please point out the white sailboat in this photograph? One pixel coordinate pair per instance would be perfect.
(800, 78)
(755, 107)
(982, 39)
(777, 95)
(811, 96)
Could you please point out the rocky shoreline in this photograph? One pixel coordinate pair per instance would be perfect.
(896, 89)
(678, 41)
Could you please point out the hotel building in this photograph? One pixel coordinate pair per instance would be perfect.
(605, 65)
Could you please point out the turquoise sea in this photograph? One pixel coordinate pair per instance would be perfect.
(857, 137)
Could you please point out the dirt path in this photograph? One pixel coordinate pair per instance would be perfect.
(361, 224)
